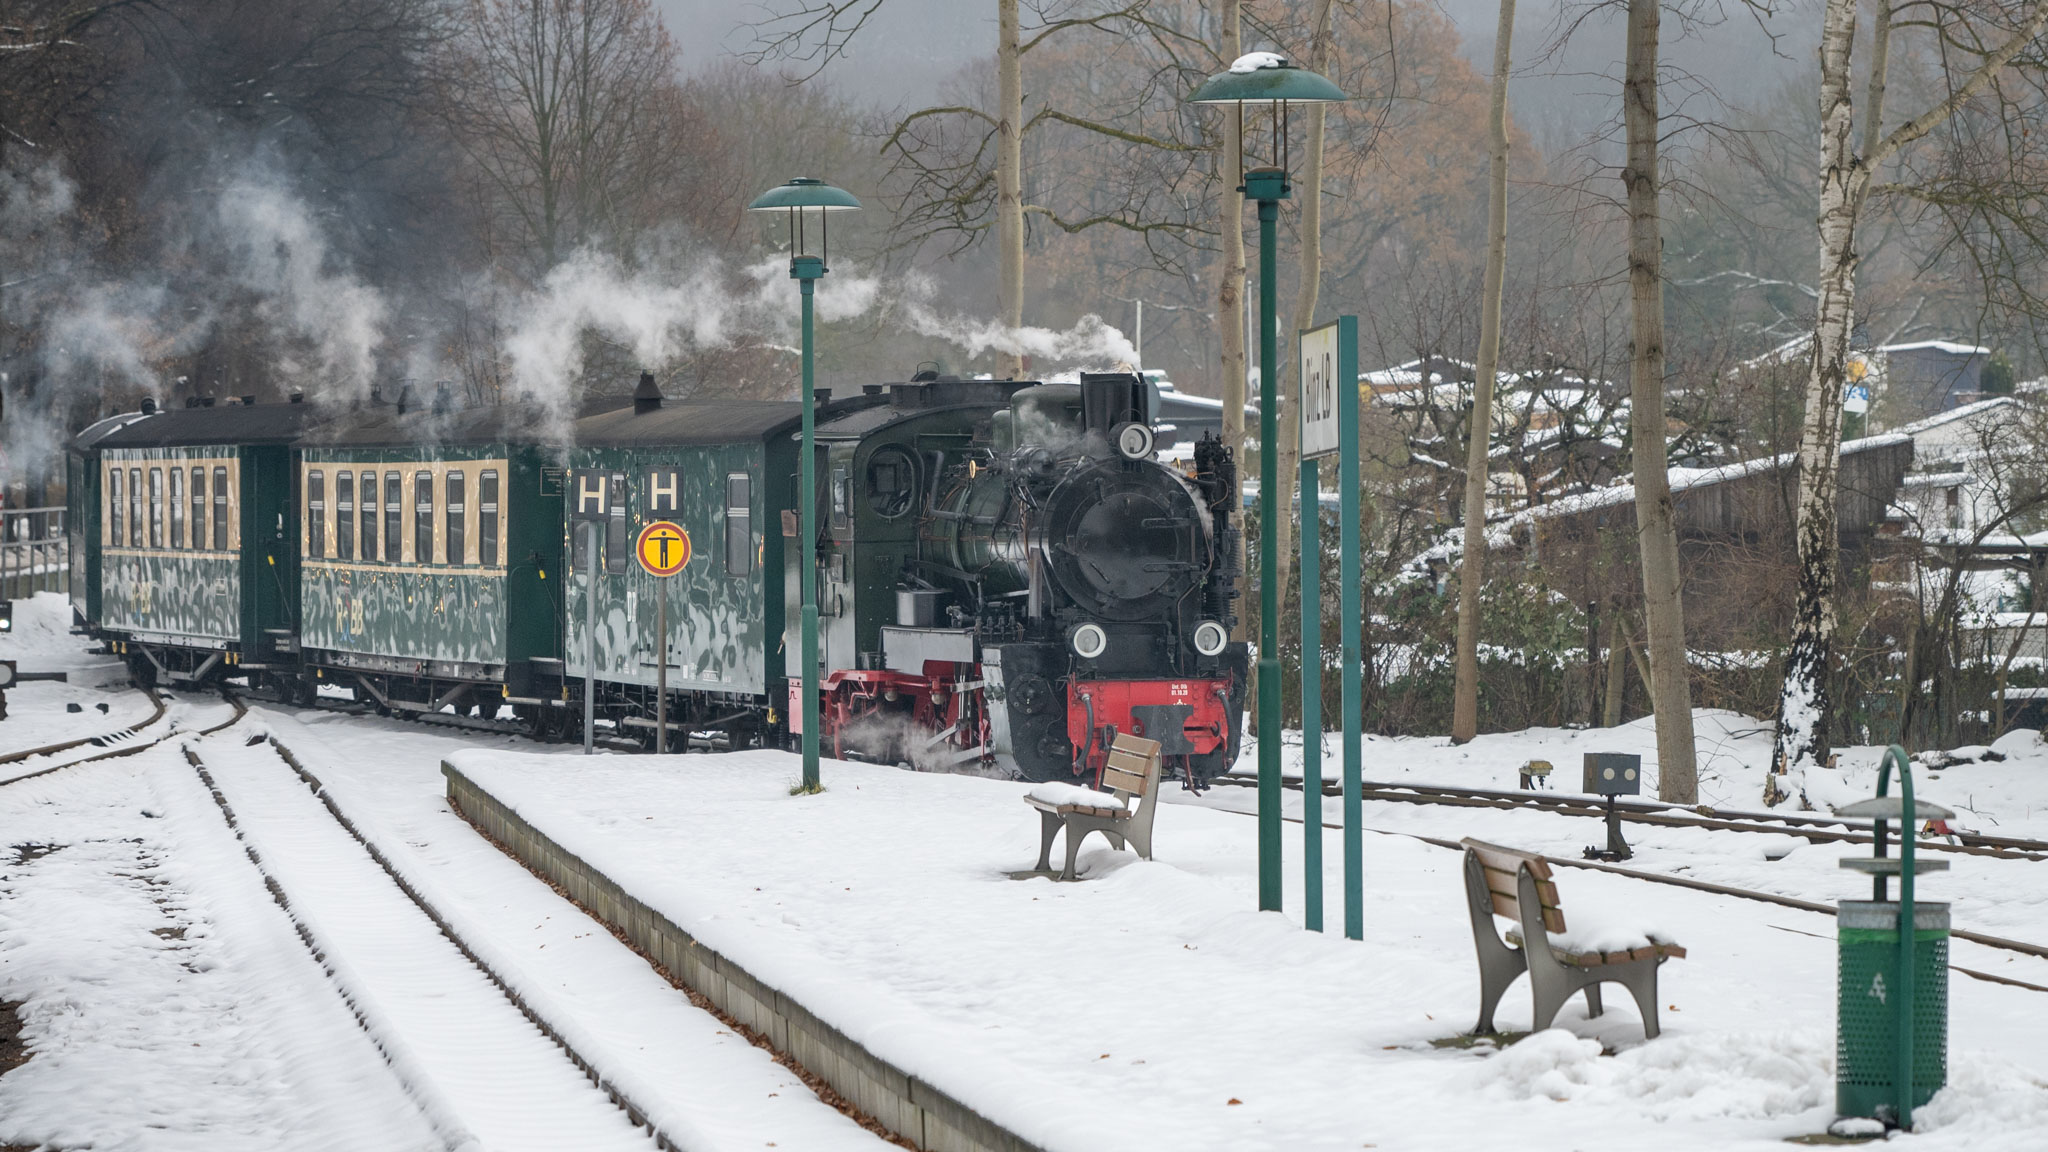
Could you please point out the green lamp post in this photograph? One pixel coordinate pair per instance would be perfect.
(801, 198)
(1265, 78)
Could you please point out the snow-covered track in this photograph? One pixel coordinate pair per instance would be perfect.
(483, 1066)
(101, 738)
(1818, 828)
(128, 741)
(2020, 946)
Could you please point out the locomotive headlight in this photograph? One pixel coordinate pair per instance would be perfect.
(1090, 641)
(1133, 441)
(1210, 637)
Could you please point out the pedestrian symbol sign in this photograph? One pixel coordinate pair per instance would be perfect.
(663, 548)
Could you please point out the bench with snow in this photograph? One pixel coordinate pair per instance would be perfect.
(1559, 962)
(1131, 774)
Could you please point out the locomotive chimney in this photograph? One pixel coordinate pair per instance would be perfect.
(1109, 399)
(647, 397)
(149, 405)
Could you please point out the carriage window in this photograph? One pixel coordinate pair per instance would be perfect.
(739, 524)
(423, 517)
(114, 506)
(458, 520)
(842, 497)
(156, 507)
(344, 516)
(369, 515)
(618, 554)
(316, 514)
(394, 514)
(177, 507)
(487, 518)
(199, 508)
(135, 507)
(220, 509)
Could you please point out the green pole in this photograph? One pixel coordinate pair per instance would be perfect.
(1311, 696)
(806, 270)
(1268, 186)
(1902, 1076)
(1349, 581)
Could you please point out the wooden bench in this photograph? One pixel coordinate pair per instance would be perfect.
(1131, 774)
(1519, 885)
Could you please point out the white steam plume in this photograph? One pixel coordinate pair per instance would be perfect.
(280, 253)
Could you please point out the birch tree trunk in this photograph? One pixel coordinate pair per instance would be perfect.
(1479, 427)
(1804, 704)
(1010, 176)
(1287, 388)
(1656, 526)
(1804, 707)
(1230, 298)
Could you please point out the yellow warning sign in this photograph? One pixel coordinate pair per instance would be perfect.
(663, 548)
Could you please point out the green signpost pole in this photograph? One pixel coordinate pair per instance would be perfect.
(1268, 186)
(1349, 584)
(1311, 695)
(798, 199)
(806, 270)
(1264, 79)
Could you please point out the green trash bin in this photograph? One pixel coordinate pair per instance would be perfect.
(1866, 1032)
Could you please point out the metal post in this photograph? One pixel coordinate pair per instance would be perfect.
(661, 671)
(1350, 581)
(1311, 696)
(1268, 186)
(806, 270)
(590, 643)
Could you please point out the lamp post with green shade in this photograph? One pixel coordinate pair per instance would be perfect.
(1266, 79)
(808, 204)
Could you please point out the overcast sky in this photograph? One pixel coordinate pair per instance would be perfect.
(910, 47)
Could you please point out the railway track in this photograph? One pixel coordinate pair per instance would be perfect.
(1999, 942)
(485, 1067)
(1815, 827)
(122, 742)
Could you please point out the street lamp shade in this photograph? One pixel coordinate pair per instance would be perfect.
(1266, 78)
(804, 192)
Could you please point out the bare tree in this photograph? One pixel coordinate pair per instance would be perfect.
(566, 110)
(1656, 524)
(1472, 567)
(1988, 41)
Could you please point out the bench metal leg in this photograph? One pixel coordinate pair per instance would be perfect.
(1075, 834)
(1048, 827)
(1640, 978)
(1593, 1007)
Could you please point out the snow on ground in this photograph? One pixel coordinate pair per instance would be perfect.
(2005, 797)
(165, 1001)
(36, 715)
(168, 1003)
(697, 1080)
(887, 906)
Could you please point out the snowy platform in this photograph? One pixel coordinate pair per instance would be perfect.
(1149, 1007)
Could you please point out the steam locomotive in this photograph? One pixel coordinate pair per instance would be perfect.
(1007, 575)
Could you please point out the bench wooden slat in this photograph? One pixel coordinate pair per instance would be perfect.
(1503, 883)
(1503, 904)
(1499, 859)
(1129, 761)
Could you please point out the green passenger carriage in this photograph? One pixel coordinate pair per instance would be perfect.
(430, 547)
(186, 519)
